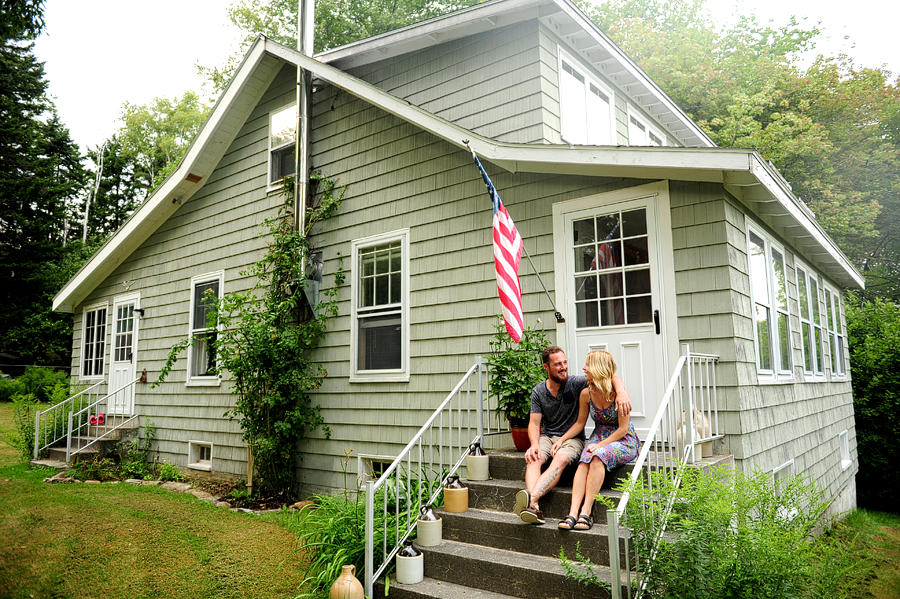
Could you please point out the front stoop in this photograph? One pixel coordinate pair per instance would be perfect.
(57, 454)
(487, 552)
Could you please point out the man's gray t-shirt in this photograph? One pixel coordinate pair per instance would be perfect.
(559, 413)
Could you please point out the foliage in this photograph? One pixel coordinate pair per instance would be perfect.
(135, 454)
(96, 468)
(337, 22)
(167, 471)
(831, 128)
(873, 336)
(582, 570)
(40, 174)
(264, 339)
(21, 17)
(515, 369)
(22, 438)
(39, 382)
(730, 534)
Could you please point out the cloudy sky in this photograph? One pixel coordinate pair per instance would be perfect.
(100, 54)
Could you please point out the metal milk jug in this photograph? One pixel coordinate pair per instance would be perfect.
(429, 527)
(456, 496)
(477, 463)
(410, 564)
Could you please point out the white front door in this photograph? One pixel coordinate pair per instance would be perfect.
(124, 354)
(612, 279)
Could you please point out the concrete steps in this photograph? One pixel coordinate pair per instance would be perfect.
(487, 552)
(102, 447)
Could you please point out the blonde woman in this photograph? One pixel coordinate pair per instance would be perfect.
(612, 444)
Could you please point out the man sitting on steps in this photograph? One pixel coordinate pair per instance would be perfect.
(554, 406)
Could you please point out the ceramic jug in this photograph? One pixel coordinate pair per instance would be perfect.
(477, 463)
(410, 564)
(429, 527)
(456, 496)
(347, 586)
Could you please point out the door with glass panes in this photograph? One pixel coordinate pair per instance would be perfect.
(124, 358)
(613, 285)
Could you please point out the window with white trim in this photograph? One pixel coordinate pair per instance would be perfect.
(640, 133)
(844, 443)
(768, 288)
(810, 321)
(585, 106)
(201, 353)
(780, 476)
(93, 342)
(833, 311)
(200, 455)
(380, 289)
(282, 141)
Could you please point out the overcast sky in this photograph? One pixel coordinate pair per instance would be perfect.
(100, 54)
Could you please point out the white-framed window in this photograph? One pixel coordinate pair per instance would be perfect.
(640, 133)
(282, 141)
(810, 321)
(200, 455)
(844, 444)
(93, 342)
(768, 287)
(201, 352)
(779, 476)
(380, 308)
(585, 106)
(833, 312)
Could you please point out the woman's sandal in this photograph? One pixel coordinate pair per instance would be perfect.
(568, 523)
(584, 523)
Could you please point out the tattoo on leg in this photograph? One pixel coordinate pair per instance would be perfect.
(544, 484)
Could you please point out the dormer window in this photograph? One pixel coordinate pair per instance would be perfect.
(641, 134)
(585, 106)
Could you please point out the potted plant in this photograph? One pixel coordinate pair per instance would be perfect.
(515, 369)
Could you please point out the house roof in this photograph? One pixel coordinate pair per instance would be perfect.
(744, 173)
(561, 17)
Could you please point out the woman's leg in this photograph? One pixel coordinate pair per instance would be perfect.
(578, 486)
(596, 472)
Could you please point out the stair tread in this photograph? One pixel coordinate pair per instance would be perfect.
(438, 589)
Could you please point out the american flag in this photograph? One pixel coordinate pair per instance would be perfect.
(507, 255)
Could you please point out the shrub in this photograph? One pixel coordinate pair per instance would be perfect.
(22, 437)
(167, 471)
(135, 454)
(97, 468)
(873, 334)
(40, 382)
(9, 388)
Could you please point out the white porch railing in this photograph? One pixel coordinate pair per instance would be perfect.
(438, 449)
(687, 418)
(71, 419)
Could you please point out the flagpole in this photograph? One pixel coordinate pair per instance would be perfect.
(556, 313)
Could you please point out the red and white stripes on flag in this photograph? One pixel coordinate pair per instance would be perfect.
(507, 255)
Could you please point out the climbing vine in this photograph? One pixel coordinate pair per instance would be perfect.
(264, 338)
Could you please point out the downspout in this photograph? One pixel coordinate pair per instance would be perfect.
(305, 23)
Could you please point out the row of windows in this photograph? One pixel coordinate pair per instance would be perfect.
(819, 311)
(587, 111)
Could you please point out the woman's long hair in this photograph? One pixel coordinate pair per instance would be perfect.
(602, 367)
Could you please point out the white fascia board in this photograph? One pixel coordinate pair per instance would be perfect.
(775, 184)
(163, 202)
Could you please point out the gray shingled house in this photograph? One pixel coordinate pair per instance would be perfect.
(650, 239)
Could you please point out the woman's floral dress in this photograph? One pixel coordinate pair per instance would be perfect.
(606, 421)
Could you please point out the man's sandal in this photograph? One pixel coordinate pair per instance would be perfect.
(584, 523)
(567, 524)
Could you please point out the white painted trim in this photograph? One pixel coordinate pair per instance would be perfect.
(106, 326)
(193, 451)
(394, 375)
(576, 64)
(190, 379)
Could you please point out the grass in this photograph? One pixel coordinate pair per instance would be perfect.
(120, 540)
(878, 536)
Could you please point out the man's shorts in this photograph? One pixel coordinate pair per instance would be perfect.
(571, 448)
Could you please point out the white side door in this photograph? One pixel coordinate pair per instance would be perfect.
(124, 354)
(612, 275)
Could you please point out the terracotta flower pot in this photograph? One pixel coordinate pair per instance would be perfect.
(519, 430)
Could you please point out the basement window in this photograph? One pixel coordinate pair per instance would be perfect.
(844, 442)
(200, 455)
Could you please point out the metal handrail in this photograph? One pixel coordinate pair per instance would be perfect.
(406, 475)
(94, 430)
(672, 439)
(49, 421)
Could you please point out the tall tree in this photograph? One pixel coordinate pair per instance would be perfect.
(830, 128)
(40, 177)
(337, 22)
